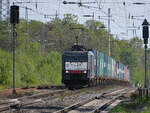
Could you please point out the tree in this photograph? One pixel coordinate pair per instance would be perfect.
(70, 19)
(5, 40)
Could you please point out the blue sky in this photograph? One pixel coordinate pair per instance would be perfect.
(121, 25)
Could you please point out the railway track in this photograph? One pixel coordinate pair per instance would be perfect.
(6, 105)
(102, 103)
(23, 102)
(17, 103)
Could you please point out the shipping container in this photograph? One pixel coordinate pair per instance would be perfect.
(115, 69)
(117, 76)
(129, 75)
(121, 71)
(108, 66)
(105, 65)
(111, 68)
(125, 73)
(101, 64)
(95, 61)
(91, 64)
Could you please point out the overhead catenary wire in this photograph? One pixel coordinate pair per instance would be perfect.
(99, 7)
(113, 21)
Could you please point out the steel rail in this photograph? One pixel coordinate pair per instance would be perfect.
(79, 104)
(108, 106)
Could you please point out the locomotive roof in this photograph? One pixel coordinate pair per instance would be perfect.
(75, 52)
(77, 48)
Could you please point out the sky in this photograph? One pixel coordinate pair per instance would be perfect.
(122, 11)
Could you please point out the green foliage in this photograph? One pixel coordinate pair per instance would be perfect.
(30, 69)
(138, 75)
(128, 58)
(41, 69)
(5, 42)
(133, 106)
(146, 106)
(49, 68)
(5, 69)
(39, 49)
(69, 19)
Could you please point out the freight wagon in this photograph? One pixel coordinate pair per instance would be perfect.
(90, 67)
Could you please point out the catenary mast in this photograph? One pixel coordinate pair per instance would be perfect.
(4, 10)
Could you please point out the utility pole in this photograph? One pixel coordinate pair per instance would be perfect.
(133, 29)
(93, 15)
(14, 57)
(56, 15)
(14, 19)
(26, 18)
(43, 39)
(125, 9)
(109, 32)
(8, 10)
(53, 15)
(0, 10)
(4, 10)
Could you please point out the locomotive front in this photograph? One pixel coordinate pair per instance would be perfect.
(75, 68)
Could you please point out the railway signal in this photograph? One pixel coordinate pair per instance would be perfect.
(14, 19)
(145, 26)
(14, 14)
(145, 31)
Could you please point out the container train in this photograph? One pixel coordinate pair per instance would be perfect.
(82, 67)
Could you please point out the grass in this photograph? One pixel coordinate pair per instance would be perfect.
(133, 106)
(146, 106)
(138, 75)
(32, 68)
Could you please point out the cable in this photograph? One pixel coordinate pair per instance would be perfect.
(97, 4)
(59, 6)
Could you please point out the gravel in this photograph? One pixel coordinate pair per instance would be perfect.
(48, 105)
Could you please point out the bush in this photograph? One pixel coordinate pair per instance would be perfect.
(31, 70)
(5, 69)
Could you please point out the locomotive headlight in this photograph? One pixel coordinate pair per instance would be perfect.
(84, 72)
(67, 71)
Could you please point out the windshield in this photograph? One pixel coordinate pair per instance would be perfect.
(76, 65)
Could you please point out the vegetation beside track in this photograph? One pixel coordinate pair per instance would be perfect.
(31, 70)
(38, 55)
(133, 106)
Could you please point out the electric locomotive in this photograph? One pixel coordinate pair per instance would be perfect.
(77, 66)
(82, 67)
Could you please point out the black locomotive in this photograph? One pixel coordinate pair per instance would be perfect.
(77, 66)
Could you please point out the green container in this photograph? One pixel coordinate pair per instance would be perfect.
(109, 66)
(101, 64)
